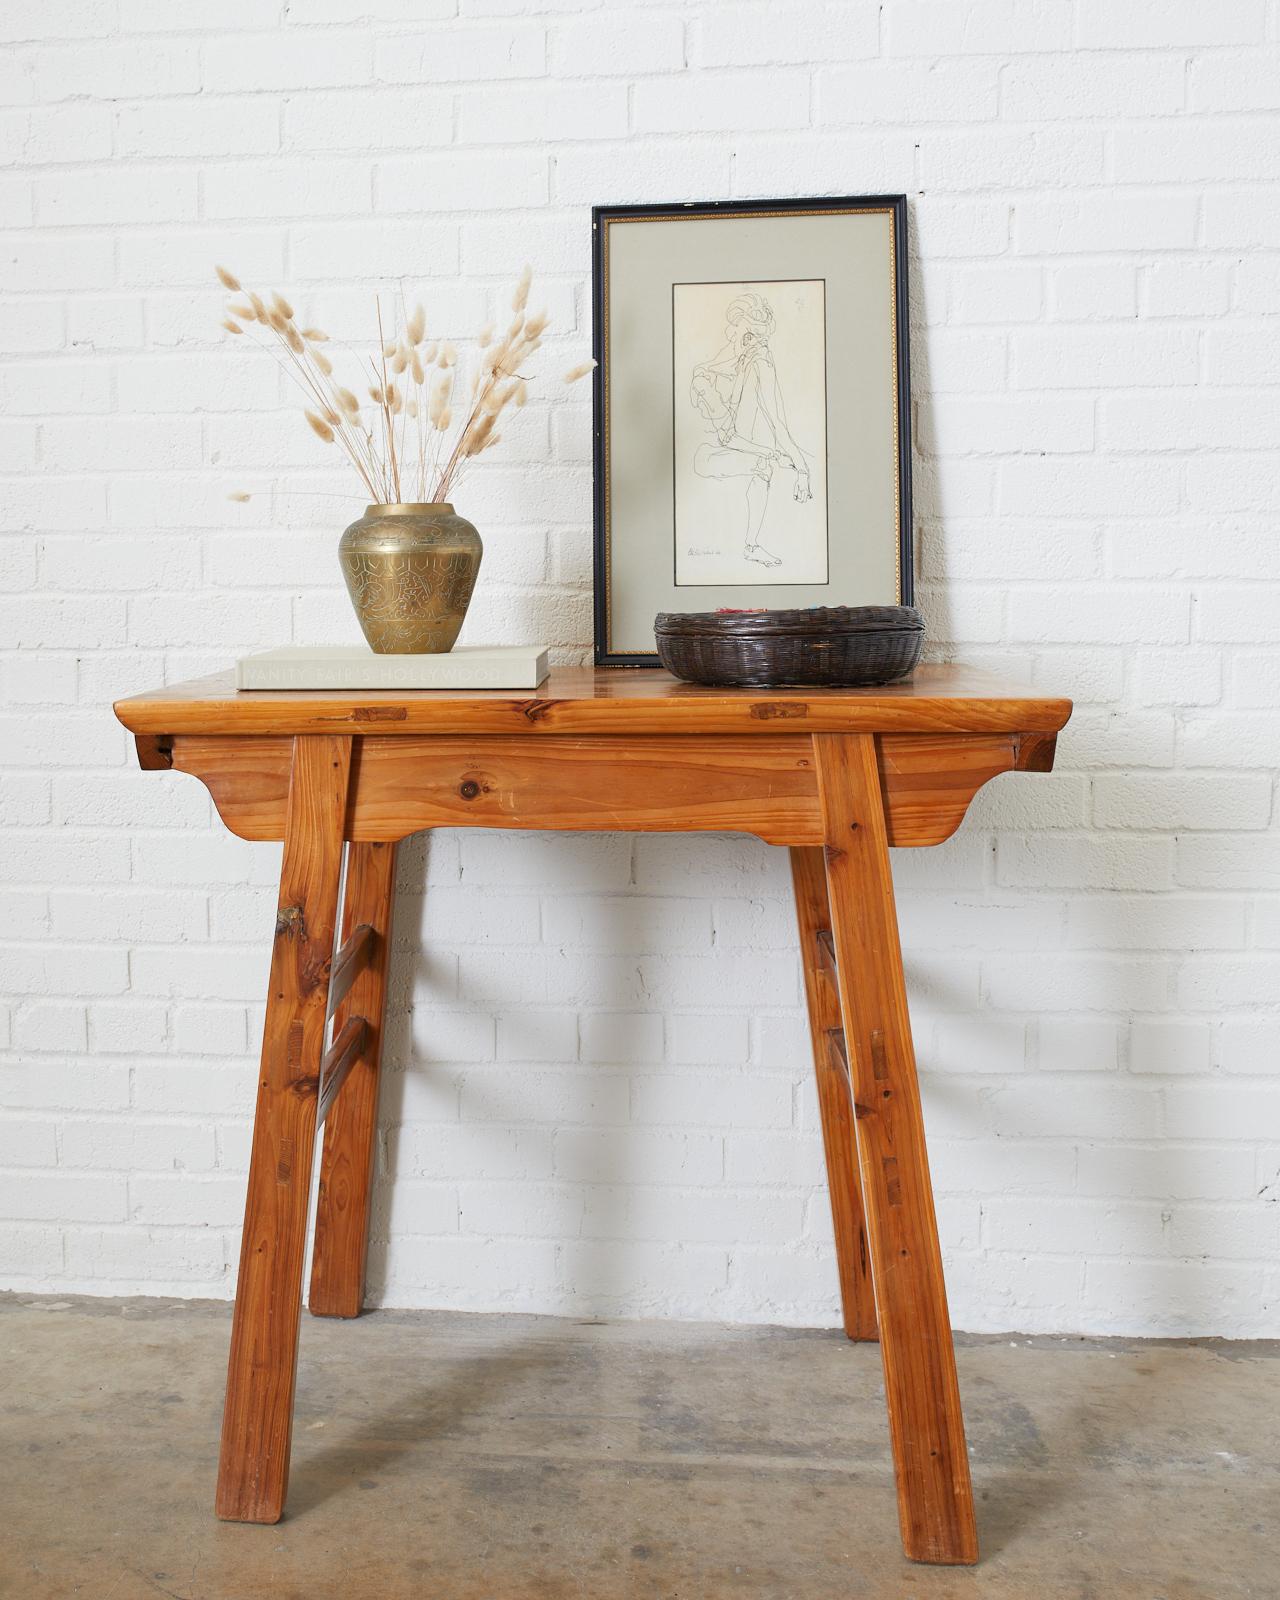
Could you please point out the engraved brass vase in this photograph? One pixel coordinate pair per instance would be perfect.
(410, 571)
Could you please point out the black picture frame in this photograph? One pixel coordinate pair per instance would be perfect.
(601, 216)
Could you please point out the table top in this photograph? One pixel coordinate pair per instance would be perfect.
(604, 700)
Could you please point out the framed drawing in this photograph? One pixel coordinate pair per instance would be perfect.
(752, 411)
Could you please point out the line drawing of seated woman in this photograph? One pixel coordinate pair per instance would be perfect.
(738, 394)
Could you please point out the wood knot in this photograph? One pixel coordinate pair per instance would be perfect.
(291, 923)
(469, 789)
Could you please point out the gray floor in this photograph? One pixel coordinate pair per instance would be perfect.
(526, 1458)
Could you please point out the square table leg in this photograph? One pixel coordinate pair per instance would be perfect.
(257, 1422)
(926, 1426)
(346, 1165)
(853, 1259)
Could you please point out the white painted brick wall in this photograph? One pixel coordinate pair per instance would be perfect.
(598, 1094)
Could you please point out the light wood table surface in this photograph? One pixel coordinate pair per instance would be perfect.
(837, 775)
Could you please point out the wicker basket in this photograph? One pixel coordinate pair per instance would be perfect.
(832, 645)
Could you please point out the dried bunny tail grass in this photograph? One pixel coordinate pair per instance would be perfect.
(438, 399)
(473, 441)
(520, 299)
(413, 434)
(498, 397)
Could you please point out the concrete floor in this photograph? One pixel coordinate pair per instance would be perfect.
(455, 1457)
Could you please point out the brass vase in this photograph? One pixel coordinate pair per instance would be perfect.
(410, 571)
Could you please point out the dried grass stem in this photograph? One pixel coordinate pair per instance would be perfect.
(400, 447)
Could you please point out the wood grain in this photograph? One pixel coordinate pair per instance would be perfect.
(399, 786)
(154, 751)
(853, 1260)
(350, 962)
(765, 785)
(586, 700)
(342, 1055)
(929, 780)
(1036, 752)
(346, 1166)
(935, 1496)
(257, 1424)
(844, 772)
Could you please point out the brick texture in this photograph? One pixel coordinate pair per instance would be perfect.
(599, 1095)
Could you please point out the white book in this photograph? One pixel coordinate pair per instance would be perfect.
(357, 667)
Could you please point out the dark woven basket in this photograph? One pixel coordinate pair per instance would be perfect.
(832, 645)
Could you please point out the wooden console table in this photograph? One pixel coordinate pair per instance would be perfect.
(836, 775)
